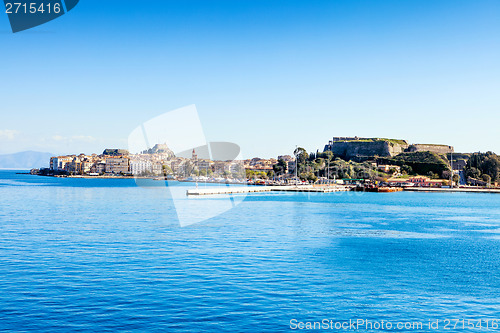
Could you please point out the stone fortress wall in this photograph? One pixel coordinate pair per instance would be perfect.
(351, 147)
(439, 149)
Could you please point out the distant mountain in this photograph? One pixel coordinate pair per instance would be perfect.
(25, 160)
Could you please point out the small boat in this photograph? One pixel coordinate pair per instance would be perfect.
(378, 189)
(389, 189)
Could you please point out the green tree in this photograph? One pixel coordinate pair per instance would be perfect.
(302, 157)
(308, 176)
(483, 163)
(261, 175)
(406, 169)
(280, 168)
(472, 172)
(327, 155)
(167, 170)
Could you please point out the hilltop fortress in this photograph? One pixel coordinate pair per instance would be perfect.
(363, 148)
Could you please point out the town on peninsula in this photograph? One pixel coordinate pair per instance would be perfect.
(360, 163)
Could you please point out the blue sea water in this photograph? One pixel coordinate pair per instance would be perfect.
(104, 255)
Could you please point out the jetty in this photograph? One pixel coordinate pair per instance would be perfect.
(255, 189)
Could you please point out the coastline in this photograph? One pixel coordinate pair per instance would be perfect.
(326, 189)
(289, 187)
(92, 177)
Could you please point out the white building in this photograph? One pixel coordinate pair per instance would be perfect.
(140, 166)
(59, 163)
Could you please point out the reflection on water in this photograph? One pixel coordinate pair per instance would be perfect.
(106, 255)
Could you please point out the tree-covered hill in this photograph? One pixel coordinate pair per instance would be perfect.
(485, 166)
(422, 163)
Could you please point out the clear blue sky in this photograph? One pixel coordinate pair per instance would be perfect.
(267, 75)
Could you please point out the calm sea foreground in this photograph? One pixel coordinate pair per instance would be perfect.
(105, 255)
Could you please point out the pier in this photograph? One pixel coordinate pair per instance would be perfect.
(323, 189)
(256, 189)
